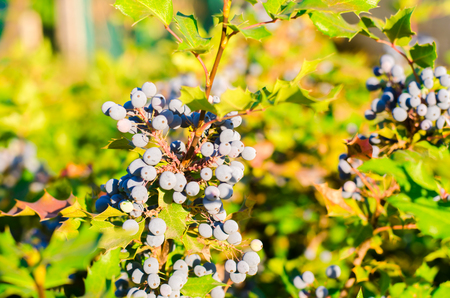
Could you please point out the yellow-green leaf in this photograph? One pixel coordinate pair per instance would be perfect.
(140, 9)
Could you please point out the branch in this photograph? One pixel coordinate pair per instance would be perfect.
(210, 79)
(410, 62)
(260, 24)
(222, 45)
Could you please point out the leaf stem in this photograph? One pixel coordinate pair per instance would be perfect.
(261, 24)
(173, 33)
(410, 61)
(193, 53)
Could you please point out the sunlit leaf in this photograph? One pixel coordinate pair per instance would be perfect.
(200, 286)
(334, 25)
(432, 219)
(192, 42)
(399, 25)
(140, 9)
(424, 55)
(360, 294)
(192, 244)
(104, 268)
(338, 6)
(334, 202)
(68, 256)
(361, 274)
(175, 217)
(114, 236)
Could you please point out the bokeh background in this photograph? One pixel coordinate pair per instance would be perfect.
(61, 59)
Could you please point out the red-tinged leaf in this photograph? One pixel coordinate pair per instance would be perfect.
(46, 207)
(334, 202)
(359, 148)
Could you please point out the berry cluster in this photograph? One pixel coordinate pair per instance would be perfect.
(199, 181)
(305, 281)
(147, 274)
(424, 104)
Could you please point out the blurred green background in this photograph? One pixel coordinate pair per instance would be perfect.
(61, 59)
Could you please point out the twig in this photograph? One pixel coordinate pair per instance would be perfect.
(397, 227)
(210, 78)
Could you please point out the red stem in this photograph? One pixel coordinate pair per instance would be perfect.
(410, 62)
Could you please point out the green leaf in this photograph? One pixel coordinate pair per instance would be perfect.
(334, 25)
(399, 25)
(140, 9)
(237, 24)
(420, 174)
(424, 55)
(360, 294)
(8, 247)
(290, 91)
(372, 22)
(383, 166)
(193, 42)
(65, 257)
(9, 290)
(252, 2)
(164, 197)
(338, 6)
(361, 274)
(274, 7)
(121, 143)
(68, 229)
(200, 286)
(192, 244)
(114, 236)
(175, 217)
(105, 268)
(256, 33)
(11, 272)
(385, 281)
(426, 272)
(195, 99)
(443, 290)
(233, 100)
(432, 218)
(109, 212)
